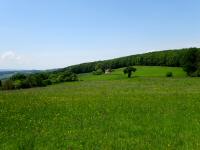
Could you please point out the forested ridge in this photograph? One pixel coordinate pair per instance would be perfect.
(171, 58)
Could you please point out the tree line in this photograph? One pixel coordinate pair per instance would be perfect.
(22, 81)
(171, 58)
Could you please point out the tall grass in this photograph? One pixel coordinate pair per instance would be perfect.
(114, 112)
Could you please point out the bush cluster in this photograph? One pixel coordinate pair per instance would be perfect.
(99, 69)
(169, 74)
(21, 81)
(98, 72)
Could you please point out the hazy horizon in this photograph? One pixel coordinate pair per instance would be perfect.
(54, 34)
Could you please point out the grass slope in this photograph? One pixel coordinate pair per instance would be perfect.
(149, 111)
(142, 71)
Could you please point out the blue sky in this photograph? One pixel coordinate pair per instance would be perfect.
(43, 34)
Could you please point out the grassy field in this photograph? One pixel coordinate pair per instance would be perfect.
(142, 71)
(105, 112)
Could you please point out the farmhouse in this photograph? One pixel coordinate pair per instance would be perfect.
(108, 71)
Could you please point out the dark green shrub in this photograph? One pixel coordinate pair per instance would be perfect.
(74, 77)
(198, 72)
(7, 85)
(53, 78)
(18, 76)
(26, 84)
(0, 83)
(41, 76)
(169, 74)
(101, 66)
(17, 84)
(60, 78)
(195, 74)
(31, 80)
(69, 76)
(38, 81)
(98, 72)
(66, 76)
(47, 82)
(99, 69)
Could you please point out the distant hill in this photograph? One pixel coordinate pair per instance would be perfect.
(5, 73)
(171, 58)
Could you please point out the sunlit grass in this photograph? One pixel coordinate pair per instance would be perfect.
(142, 71)
(148, 111)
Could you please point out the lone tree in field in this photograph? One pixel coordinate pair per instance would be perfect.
(129, 70)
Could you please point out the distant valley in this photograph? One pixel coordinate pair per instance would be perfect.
(6, 73)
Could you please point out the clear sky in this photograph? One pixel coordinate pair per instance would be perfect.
(43, 34)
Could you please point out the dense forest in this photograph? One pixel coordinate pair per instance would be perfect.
(189, 59)
(171, 58)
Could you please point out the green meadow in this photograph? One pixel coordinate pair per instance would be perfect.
(142, 71)
(105, 112)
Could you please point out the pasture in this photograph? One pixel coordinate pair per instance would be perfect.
(148, 111)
